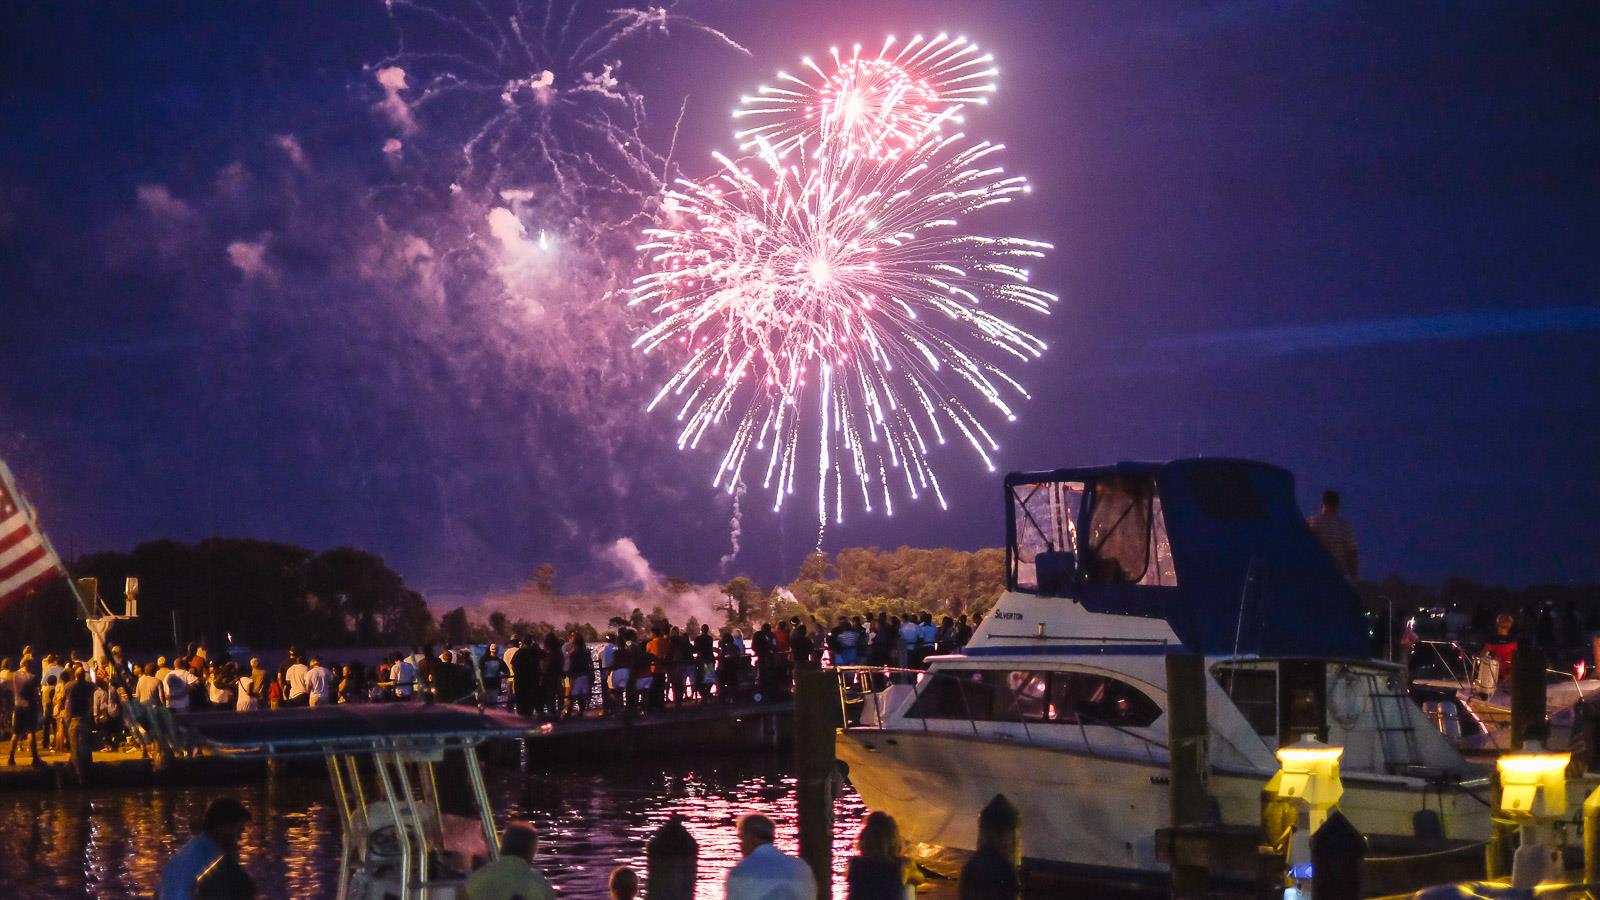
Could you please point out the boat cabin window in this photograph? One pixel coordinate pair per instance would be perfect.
(1255, 692)
(1070, 698)
(1044, 552)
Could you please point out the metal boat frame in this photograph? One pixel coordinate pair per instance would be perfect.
(404, 743)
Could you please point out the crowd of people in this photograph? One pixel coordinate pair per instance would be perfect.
(210, 864)
(65, 704)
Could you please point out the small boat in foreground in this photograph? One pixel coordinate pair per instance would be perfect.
(415, 815)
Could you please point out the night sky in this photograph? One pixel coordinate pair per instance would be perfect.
(1356, 241)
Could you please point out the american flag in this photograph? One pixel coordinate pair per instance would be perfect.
(26, 560)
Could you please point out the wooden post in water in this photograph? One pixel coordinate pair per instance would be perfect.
(1527, 694)
(671, 858)
(1338, 851)
(1188, 736)
(816, 715)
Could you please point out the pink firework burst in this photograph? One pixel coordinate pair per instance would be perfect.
(835, 302)
(875, 105)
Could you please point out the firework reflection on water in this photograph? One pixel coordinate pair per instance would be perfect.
(111, 843)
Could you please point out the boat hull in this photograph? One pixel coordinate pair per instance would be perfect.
(1083, 809)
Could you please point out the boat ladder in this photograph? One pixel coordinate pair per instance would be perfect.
(1397, 732)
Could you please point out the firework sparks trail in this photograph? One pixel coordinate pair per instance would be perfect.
(877, 105)
(846, 275)
(546, 85)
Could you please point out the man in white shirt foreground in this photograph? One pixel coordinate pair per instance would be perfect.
(767, 873)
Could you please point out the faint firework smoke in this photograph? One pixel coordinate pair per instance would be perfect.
(522, 173)
(735, 526)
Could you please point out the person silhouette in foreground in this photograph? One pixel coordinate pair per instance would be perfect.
(512, 875)
(767, 873)
(208, 865)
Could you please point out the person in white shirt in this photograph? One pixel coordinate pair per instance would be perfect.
(175, 688)
(767, 873)
(404, 675)
(907, 646)
(296, 692)
(927, 637)
(148, 688)
(319, 683)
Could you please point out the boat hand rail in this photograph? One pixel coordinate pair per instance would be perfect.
(1463, 680)
(1568, 676)
(918, 677)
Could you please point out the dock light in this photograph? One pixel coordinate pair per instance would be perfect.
(1310, 778)
(1533, 790)
(1533, 782)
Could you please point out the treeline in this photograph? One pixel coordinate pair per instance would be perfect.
(863, 580)
(263, 593)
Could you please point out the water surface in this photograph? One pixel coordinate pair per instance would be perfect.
(111, 843)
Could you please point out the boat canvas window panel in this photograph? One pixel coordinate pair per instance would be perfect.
(1160, 573)
(1045, 518)
(1118, 549)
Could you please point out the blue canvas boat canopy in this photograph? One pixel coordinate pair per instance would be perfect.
(1217, 547)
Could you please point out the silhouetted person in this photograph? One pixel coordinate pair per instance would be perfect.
(208, 866)
(880, 871)
(512, 875)
(527, 677)
(767, 873)
(1336, 536)
(25, 703)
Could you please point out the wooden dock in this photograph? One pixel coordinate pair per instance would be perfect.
(686, 729)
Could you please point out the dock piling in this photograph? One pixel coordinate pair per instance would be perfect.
(816, 716)
(671, 860)
(1338, 852)
(1527, 694)
(1188, 735)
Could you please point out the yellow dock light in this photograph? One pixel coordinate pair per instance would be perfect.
(1533, 782)
(1533, 790)
(1309, 777)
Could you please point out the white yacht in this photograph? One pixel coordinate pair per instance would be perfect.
(1059, 700)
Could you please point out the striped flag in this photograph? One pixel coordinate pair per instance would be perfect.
(27, 561)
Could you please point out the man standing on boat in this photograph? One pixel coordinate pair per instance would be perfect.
(1336, 536)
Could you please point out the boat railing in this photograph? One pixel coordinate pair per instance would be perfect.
(1465, 677)
(861, 685)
